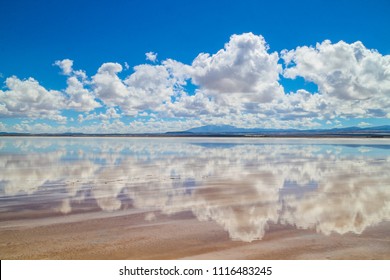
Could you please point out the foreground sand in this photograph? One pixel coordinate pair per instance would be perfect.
(128, 235)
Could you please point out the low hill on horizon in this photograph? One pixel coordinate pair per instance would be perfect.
(228, 129)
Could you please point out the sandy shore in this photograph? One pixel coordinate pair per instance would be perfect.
(128, 235)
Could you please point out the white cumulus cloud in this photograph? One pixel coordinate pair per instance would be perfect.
(354, 79)
(65, 65)
(151, 56)
(80, 98)
(243, 67)
(27, 98)
(146, 89)
(363, 124)
(240, 84)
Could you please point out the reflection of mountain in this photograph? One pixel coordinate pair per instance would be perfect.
(241, 184)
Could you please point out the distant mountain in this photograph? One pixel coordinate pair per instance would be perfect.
(232, 130)
(383, 128)
(12, 134)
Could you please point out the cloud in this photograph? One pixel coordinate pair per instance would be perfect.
(80, 98)
(65, 65)
(151, 56)
(363, 124)
(108, 86)
(192, 106)
(240, 84)
(60, 119)
(3, 127)
(150, 86)
(146, 89)
(80, 118)
(110, 113)
(161, 125)
(244, 68)
(27, 98)
(237, 80)
(41, 127)
(354, 80)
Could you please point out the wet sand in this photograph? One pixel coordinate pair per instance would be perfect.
(128, 235)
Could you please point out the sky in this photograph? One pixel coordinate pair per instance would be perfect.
(141, 66)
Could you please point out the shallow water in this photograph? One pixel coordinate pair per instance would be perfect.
(243, 185)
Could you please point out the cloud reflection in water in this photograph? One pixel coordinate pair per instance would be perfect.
(242, 184)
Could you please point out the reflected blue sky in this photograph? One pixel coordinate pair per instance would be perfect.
(330, 185)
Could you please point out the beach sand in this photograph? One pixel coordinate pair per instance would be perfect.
(131, 234)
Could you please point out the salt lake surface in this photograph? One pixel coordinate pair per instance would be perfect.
(241, 189)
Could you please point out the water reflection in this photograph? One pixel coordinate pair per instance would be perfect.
(242, 184)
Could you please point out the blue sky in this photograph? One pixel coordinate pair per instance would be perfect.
(82, 65)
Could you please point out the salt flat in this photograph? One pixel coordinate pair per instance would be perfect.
(208, 198)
